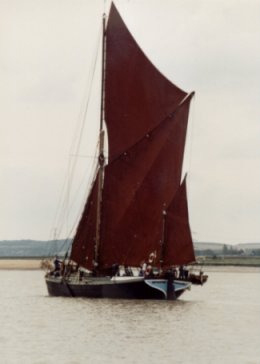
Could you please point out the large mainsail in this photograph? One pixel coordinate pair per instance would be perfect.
(138, 96)
(146, 117)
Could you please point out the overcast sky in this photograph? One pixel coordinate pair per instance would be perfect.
(47, 57)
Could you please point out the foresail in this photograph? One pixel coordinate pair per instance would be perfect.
(138, 97)
(85, 239)
(178, 249)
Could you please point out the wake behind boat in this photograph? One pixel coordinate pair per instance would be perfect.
(136, 213)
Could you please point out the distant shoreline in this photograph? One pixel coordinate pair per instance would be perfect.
(36, 264)
(20, 264)
(236, 261)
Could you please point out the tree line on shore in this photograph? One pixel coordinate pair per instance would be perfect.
(228, 251)
(48, 248)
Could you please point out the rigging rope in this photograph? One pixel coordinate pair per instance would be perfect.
(60, 215)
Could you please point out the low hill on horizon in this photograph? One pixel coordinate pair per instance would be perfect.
(219, 246)
(33, 248)
(39, 248)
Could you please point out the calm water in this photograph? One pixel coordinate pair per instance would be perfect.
(219, 323)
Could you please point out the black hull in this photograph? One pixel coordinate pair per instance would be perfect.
(107, 288)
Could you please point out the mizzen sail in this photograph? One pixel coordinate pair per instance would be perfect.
(178, 249)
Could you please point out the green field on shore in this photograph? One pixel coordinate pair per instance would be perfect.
(231, 260)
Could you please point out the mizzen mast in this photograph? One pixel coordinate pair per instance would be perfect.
(162, 241)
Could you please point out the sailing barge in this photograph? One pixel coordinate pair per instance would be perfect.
(137, 210)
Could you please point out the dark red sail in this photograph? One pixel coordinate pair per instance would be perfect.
(178, 247)
(138, 186)
(146, 117)
(137, 96)
(84, 241)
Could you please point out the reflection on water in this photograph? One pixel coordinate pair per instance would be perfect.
(216, 323)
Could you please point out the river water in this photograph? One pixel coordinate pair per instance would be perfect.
(216, 323)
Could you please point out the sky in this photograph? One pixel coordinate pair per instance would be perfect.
(48, 53)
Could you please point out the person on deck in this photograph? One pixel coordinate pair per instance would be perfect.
(115, 270)
(186, 273)
(128, 271)
(57, 266)
(181, 272)
(142, 269)
(149, 271)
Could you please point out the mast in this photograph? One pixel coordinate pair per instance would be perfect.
(101, 157)
(162, 242)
